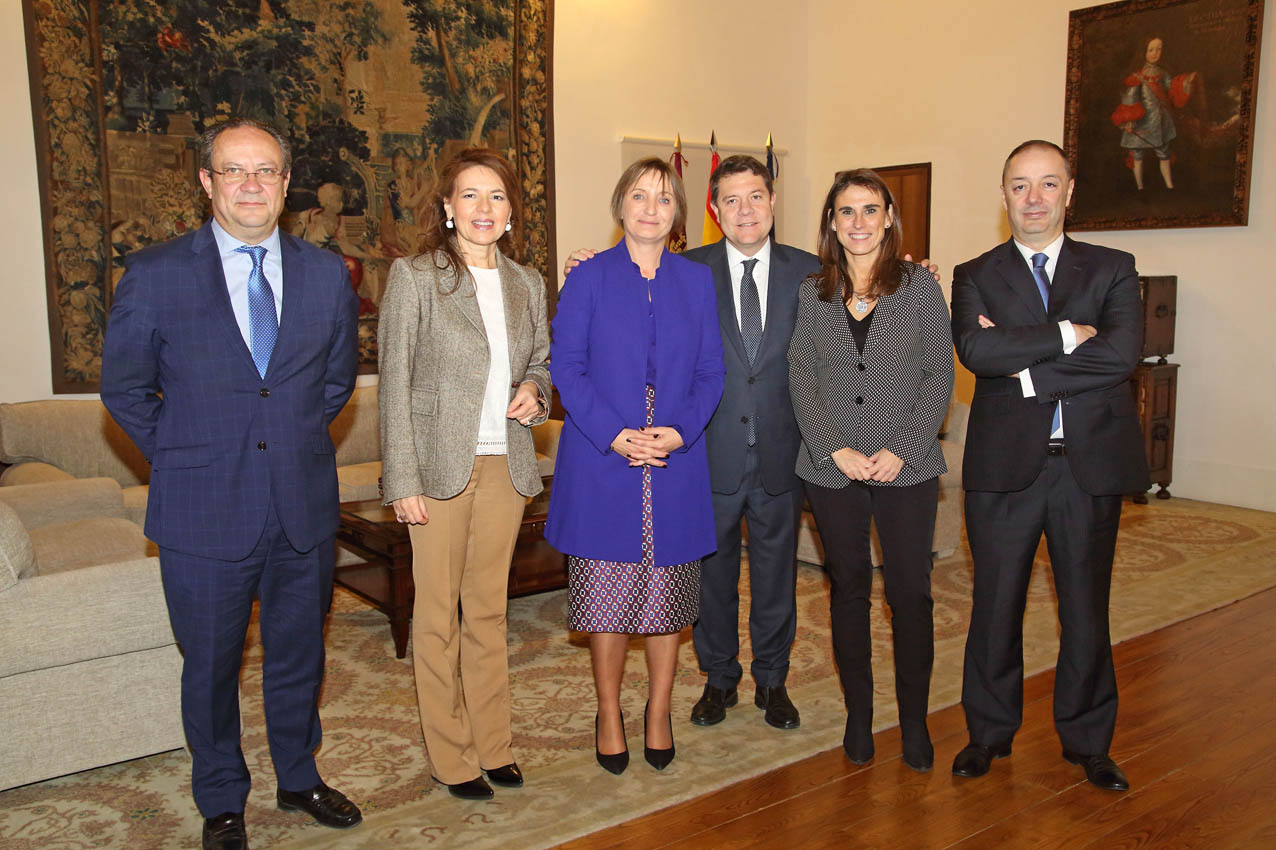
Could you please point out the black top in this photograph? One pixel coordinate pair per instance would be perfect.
(859, 328)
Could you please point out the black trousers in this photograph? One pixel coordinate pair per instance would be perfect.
(905, 519)
(773, 521)
(1004, 530)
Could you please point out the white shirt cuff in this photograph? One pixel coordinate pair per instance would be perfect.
(1025, 383)
(1069, 336)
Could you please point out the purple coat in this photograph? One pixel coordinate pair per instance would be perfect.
(598, 361)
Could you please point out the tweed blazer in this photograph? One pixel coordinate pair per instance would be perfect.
(892, 396)
(434, 359)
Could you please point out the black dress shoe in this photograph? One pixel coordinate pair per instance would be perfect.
(1101, 771)
(612, 762)
(225, 832)
(659, 759)
(509, 776)
(474, 789)
(780, 711)
(919, 753)
(326, 805)
(975, 759)
(712, 706)
(857, 741)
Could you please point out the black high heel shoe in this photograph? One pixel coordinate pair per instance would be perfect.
(616, 762)
(659, 759)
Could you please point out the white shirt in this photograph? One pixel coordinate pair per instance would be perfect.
(496, 398)
(761, 274)
(236, 266)
(1066, 330)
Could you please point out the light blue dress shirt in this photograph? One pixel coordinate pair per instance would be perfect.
(236, 266)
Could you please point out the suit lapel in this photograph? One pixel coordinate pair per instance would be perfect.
(882, 314)
(1016, 274)
(212, 277)
(1069, 276)
(514, 296)
(775, 297)
(727, 317)
(290, 318)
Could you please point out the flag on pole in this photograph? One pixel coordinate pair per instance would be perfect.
(678, 237)
(773, 166)
(712, 230)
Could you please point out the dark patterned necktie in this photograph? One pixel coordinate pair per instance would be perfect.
(263, 322)
(1043, 286)
(750, 312)
(750, 330)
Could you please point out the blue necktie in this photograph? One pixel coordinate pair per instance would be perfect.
(263, 322)
(1043, 286)
(750, 327)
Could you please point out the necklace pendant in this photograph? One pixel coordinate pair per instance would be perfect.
(861, 306)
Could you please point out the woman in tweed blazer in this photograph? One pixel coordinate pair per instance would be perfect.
(870, 373)
(463, 346)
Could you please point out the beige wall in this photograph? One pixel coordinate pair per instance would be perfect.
(935, 84)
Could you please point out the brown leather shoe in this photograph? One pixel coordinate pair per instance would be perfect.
(225, 832)
(326, 805)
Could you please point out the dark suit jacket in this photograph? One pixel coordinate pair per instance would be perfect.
(223, 442)
(1007, 436)
(763, 388)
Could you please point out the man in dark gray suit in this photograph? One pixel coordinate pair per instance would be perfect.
(753, 443)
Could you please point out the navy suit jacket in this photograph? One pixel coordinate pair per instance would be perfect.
(1007, 435)
(598, 359)
(223, 442)
(760, 389)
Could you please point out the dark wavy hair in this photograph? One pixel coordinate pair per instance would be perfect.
(438, 242)
(888, 270)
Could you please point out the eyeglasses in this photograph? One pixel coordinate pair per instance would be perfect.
(235, 174)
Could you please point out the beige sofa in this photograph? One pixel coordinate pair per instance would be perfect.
(948, 517)
(89, 669)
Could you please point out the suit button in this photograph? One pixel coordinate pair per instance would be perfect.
(752, 379)
(862, 367)
(744, 419)
(859, 399)
(261, 447)
(265, 393)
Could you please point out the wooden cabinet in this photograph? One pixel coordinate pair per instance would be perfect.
(1155, 387)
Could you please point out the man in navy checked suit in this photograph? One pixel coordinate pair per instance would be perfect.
(232, 405)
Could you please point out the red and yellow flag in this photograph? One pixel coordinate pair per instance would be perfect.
(712, 230)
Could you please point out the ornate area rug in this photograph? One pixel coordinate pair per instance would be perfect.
(1175, 559)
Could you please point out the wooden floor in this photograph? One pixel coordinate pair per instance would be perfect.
(1196, 734)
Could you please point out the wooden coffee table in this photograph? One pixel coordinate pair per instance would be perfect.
(369, 530)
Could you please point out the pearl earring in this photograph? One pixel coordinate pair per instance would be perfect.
(449, 225)
(509, 226)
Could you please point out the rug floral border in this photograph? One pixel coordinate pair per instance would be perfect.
(65, 73)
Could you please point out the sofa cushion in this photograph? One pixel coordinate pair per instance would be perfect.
(135, 504)
(76, 435)
(356, 432)
(96, 612)
(17, 558)
(33, 472)
(56, 502)
(87, 543)
(359, 481)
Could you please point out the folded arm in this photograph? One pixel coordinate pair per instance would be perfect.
(996, 351)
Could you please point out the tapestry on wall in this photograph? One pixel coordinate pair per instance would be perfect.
(374, 95)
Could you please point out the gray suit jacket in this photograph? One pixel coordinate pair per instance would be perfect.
(434, 360)
(763, 388)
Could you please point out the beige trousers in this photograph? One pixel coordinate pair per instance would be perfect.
(461, 565)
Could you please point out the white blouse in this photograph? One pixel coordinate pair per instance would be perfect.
(496, 399)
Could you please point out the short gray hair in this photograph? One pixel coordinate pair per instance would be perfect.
(210, 135)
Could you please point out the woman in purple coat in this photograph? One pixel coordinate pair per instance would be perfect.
(637, 359)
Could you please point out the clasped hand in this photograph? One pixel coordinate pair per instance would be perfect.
(646, 446)
(883, 466)
(525, 405)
